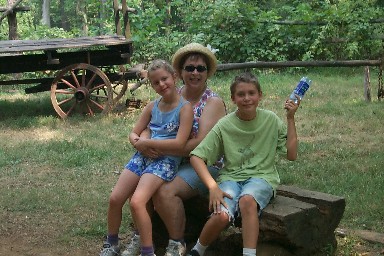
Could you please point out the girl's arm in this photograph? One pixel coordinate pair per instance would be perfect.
(178, 143)
(141, 124)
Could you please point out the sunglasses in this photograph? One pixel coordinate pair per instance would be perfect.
(191, 68)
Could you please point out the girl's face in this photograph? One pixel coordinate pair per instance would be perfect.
(246, 97)
(162, 81)
(198, 76)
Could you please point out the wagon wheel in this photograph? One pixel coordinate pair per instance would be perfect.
(119, 88)
(81, 88)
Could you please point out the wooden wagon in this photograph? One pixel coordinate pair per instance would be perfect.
(84, 75)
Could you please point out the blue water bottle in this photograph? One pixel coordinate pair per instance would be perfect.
(300, 89)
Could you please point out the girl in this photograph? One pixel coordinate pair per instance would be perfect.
(169, 118)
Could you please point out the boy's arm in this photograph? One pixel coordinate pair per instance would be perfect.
(216, 195)
(291, 108)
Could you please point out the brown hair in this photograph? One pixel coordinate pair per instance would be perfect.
(246, 77)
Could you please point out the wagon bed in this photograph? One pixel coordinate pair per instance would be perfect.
(86, 79)
(17, 56)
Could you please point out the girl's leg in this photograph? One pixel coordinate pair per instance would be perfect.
(145, 189)
(123, 189)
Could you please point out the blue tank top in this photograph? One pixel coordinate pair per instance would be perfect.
(164, 125)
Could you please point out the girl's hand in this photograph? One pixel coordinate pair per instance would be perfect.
(144, 149)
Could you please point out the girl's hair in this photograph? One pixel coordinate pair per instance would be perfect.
(246, 77)
(157, 64)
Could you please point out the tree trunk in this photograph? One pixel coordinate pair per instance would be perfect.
(63, 16)
(82, 11)
(12, 22)
(46, 13)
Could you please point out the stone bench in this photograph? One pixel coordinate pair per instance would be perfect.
(296, 222)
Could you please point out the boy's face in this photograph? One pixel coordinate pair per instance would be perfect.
(246, 97)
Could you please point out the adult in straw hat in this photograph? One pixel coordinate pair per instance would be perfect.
(194, 64)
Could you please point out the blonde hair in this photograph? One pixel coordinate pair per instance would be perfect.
(157, 64)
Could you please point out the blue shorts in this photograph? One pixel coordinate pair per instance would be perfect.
(188, 174)
(258, 188)
(164, 167)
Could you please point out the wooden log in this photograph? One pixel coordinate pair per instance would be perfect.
(296, 222)
(286, 64)
(367, 85)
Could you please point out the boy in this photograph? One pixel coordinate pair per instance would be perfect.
(249, 139)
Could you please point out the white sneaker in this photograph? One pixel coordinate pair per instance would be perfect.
(133, 248)
(175, 249)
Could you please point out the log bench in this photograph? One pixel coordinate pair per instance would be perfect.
(296, 222)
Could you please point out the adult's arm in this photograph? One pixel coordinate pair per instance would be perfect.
(213, 111)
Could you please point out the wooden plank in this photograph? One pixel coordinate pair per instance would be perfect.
(39, 62)
(17, 46)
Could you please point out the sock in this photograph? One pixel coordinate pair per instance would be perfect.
(147, 251)
(200, 248)
(249, 252)
(113, 239)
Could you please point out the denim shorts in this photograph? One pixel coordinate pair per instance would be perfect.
(163, 167)
(258, 188)
(188, 174)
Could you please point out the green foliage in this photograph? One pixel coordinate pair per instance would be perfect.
(241, 30)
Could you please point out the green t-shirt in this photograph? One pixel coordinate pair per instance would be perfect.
(249, 147)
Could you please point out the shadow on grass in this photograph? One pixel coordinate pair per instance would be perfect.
(11, 109)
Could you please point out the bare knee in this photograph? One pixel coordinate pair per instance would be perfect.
(165, 192)
(116, 201)
(137, 205)
(248, 205)
(174, 191)
(221, 219)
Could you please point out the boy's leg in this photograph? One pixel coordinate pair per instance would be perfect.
(218, 222)
(255, 196)
(250, 221)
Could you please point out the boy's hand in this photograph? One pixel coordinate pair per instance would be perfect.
(291, 107)
(216, 199)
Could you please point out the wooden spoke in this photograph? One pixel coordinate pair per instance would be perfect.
(81, 88)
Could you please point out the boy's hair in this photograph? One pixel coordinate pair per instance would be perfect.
(157, 64)
(246, 77)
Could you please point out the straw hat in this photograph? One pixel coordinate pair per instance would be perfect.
(195, 48)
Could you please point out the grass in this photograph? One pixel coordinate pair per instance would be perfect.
(56, 175)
